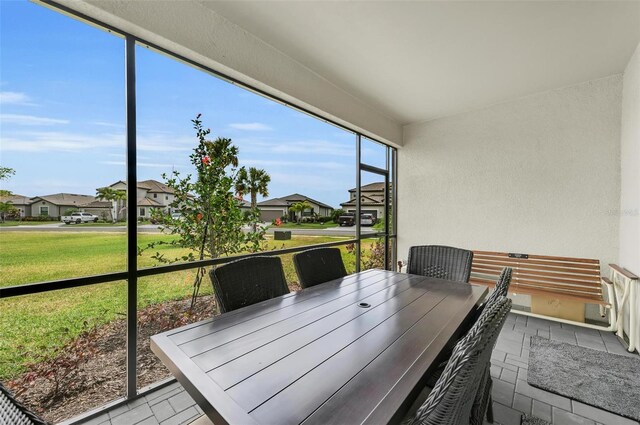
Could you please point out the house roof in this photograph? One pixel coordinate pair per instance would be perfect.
(97, 204)
(369, 201)
(274, 202)
(148, 202)
(67, 199)
(16, 199)
(152, 186)
(285, 201)
(371, 187)
(296, 197)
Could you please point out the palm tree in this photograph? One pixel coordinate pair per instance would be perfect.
(300, 207)
(113, 195)
(254, 182)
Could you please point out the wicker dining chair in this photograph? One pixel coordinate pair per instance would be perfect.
(12, 412)
(248, 281)
(439, 261)
(452, 401)
(318, 265)
(502, 286)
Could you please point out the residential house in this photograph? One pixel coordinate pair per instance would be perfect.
(20, 202)
(150, 194)
(58, 204)
(279, 207)
(371, 200)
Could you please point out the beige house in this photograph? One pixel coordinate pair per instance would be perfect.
(279, 207)
(371, 200)
(58, 204)
(150, 195)
(20, 202)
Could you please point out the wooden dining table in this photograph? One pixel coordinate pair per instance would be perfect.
(352, 350)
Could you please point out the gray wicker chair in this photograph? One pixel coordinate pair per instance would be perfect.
(443, 262)
(319, 265)
(453, 399)
(249, 281)
(12, 412)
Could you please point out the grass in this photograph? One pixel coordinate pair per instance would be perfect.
(25, 223)
(36, 325)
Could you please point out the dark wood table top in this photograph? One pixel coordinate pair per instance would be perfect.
(348, 351)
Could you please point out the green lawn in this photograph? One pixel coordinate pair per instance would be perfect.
(37, 324)
(25, 223)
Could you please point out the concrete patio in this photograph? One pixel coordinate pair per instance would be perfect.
(512, 396)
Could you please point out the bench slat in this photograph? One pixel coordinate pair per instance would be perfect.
(524, 265)
(539, 257)
(560, 277)
(508, 260)
(556, 277)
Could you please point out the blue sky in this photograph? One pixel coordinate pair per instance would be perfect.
(62, 116)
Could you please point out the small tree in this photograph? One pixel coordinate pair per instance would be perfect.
(254, 182)
(336, 214)
(211, 220)
(116, 196)
(300, 207)
(6, 207)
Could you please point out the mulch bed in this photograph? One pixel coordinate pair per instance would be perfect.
(101, 377)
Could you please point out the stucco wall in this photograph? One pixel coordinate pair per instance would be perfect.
(630, 169)
(540, 174)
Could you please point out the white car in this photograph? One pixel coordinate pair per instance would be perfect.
(79, 218)
(367, 220)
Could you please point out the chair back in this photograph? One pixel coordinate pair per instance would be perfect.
(444, 262)
(12, 412)
(318, 265)
(248, 281)
(502, 286)
(452, 398)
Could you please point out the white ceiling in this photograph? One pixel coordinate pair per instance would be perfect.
(416, 61)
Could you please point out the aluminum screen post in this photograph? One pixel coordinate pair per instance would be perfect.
(132, 216)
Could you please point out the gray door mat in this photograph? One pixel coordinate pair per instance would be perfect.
(604, 380)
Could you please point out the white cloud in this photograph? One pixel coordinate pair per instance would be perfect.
(142, 164)
(30, 120)
(326, 165)
(250, 126)
(161, 143)
(302, 147)
(14, 98)
(107, 124)
(60, 142)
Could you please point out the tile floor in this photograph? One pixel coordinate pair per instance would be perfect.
(512, 395)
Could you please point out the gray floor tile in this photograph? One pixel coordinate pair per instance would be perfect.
(509, 376)
(599, 415)
(522, 403)
(133, 416)
(541, 410)
(562, 417)
(506, 415)
(503, 392)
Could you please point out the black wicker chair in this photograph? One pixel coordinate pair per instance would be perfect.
(501, 290)
(319, 265)
(13, 412)
(453, 399)
(248, 281)
(443, 262)
(502, 286)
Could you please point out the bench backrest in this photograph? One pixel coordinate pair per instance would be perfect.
(561, 277)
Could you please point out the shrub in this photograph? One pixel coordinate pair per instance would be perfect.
(40, 218)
